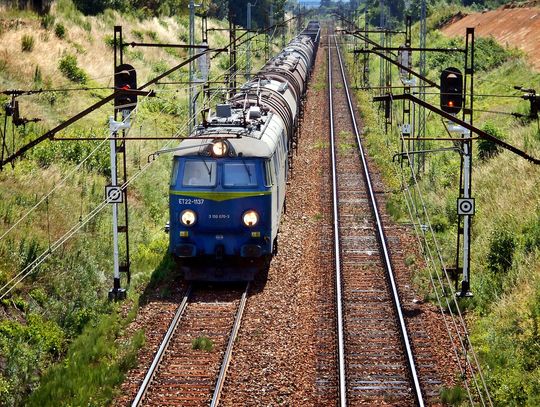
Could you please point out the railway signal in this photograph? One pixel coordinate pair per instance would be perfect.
(125, 78)
(451, 90)
(533, 98)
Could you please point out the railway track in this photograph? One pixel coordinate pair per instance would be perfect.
(181, 374)
(375, 360)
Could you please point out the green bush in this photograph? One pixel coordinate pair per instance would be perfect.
(68, 67)
(27, 43)
(38, 77)
(510, 351)
(94, 367)
(159, 67)
(28, 252)
(453, 396)
(531, 234)
(109, 41)
(74, 152)
(488, 54)
(47, 21)
(502, 244)
(26, 349)
(202, 343)
(486, 148)
(152, 35)
(139, 35)
(439, 222)
(60, 31)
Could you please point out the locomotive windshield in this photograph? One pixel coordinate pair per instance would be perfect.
(209, 173)
(239, 174)
(199, 173)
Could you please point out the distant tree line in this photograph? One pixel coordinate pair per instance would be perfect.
(260, 10)
(394, 11)
(41, 6)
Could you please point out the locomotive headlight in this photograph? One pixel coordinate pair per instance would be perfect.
(220, 148)
(250, 218)
(188, 217)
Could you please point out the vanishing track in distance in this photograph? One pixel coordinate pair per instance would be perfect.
(375, 361)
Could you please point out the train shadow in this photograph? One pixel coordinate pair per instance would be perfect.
(167, 283)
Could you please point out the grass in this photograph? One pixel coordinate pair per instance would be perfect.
(27, 43)
(95, 366)
(202, 343)
(454, 396)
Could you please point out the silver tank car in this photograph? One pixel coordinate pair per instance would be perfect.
(228, 182)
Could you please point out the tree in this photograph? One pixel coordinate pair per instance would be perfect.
(40, 6)
(260, 12)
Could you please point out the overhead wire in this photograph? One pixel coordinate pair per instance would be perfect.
(466, 346)
(14, 281)
(76, 169)
(29, 92)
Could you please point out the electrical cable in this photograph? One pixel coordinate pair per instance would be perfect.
(71, 173)
(18, 92)
(476, 95)
(467, 345)
(14, 281)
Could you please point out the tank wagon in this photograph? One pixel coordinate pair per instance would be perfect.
(313, 31)
(228, 180)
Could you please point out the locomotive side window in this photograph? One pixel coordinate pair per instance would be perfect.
(277, 166)
(174, 172)
(284, 141)
(269, 173)
(239, 174)
(199, 173)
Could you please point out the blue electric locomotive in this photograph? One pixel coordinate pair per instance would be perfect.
(227, 187)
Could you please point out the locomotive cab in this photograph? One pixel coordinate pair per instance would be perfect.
(220, 216)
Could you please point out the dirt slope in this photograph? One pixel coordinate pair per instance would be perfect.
(514, 27)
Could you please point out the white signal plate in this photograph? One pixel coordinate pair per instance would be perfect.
(114, 194)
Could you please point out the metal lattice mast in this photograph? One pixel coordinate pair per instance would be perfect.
(248, 50)
(382, 75)
(366, 55)
(191, 109)
(421, 129)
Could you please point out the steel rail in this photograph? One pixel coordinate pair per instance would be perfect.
(161, 351)
(228, 352)
(382, 240)
(337, 247)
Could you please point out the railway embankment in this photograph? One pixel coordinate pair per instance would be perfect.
(517, 27)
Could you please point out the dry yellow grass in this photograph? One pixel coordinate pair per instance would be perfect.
(94, 56)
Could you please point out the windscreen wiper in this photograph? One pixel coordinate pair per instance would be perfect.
(247, 168)
(208, 169)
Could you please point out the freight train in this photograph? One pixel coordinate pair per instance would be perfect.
(228, 180)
